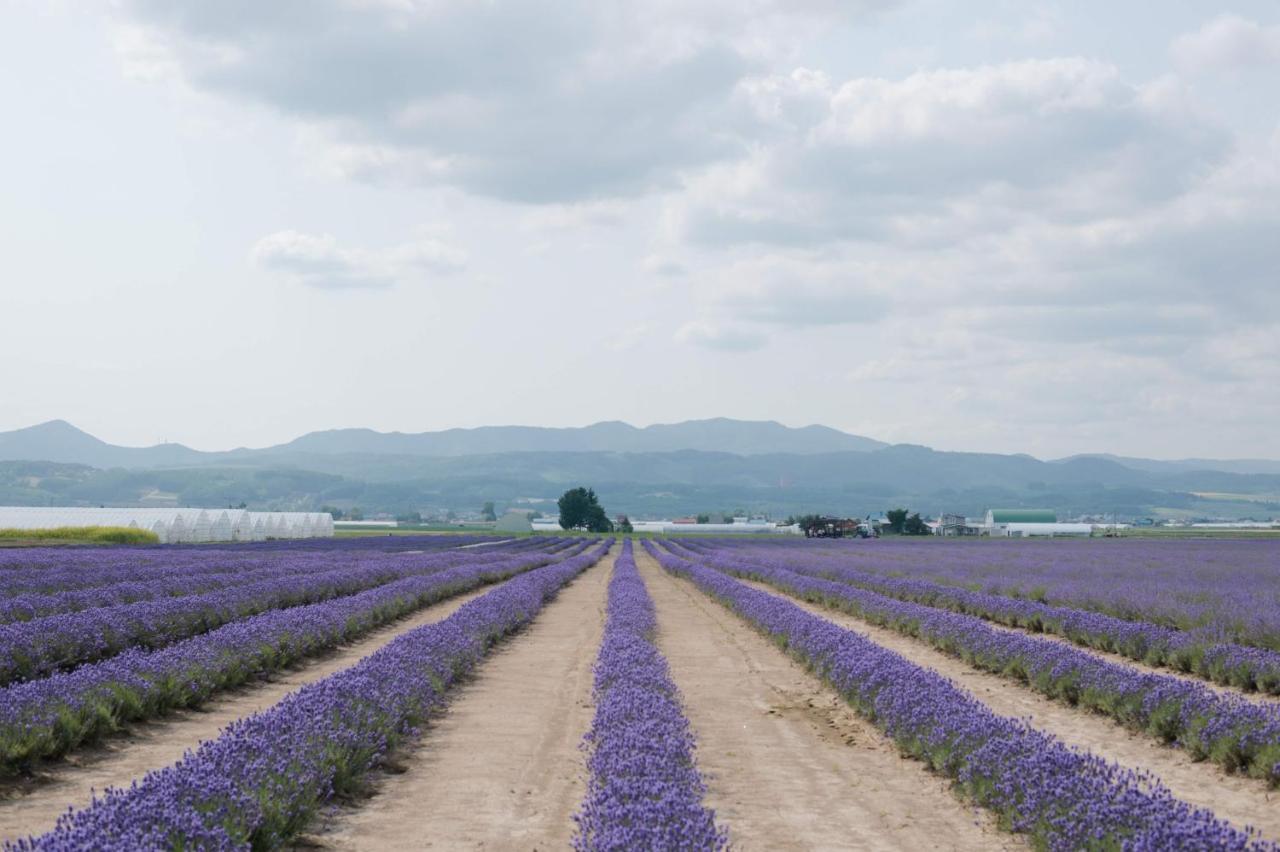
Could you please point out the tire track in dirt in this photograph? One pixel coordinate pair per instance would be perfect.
(788, 764)
(1242, 800)
(34, 805)
(503, 767)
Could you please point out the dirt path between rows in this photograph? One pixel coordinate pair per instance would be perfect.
(502, 768)
(1241, 800)
(788, 764)
(34, 806)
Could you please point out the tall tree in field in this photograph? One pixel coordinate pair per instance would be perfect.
(487, 513)
(897, 520)
(580, 510)
(915, 525)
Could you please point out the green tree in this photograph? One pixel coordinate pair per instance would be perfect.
(581, 510)
(624, 525)
(409, 518)
(897, 520)
(915, 525)
(704, 519)
(487, 513)
(355, 513)
(809, 523)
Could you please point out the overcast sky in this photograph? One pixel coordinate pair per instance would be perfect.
(999, 226)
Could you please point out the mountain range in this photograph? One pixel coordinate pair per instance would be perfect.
(704, 465)
(58, 440)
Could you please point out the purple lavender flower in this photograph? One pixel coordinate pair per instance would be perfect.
(644, 791)
(258, 783)
(1063, 798)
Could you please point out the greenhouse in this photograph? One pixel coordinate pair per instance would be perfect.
(175, 526)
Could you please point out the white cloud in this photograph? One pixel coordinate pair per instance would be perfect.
(1033, 207)
(317, 260)
(1228, 41)
(944, 154)
(725, 338)
(535, 102)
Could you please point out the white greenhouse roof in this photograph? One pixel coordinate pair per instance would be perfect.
(175, 525)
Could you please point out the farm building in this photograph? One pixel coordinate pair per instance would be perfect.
(668, 527)
(1027, 523)
(175, 526)
(996, 517)
(951, 525)
(1043, 530)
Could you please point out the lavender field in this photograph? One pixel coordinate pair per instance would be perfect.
(591, 693)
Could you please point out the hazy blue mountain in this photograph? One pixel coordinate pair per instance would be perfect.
(59, 441)
(708, 465)
(672, 483)
(741, 437)
(1270, 466)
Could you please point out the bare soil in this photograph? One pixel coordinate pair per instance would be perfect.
(788, 764)
(33, 805)
(503, 767)
(1236, 798)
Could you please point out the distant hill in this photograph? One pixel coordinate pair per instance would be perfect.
(59, 441)
(1184, 465)
(707, 465)
(674, 483)
(740, 437)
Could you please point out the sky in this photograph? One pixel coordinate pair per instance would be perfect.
(993, 226)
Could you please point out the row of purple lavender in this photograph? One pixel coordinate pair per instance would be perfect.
(49, 717)
(644, 791)
(1235, 733)
(257, 784)
(36, 648)
(57, 569)
(1062, 798)
(1193, 652)
(117, 579)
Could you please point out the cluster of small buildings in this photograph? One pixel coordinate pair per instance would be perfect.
(725, 526)
(1012, 523)
(175, 526)
(740, 525)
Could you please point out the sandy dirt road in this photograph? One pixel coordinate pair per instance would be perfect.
(503, 767)
(788, 764)
(1239, 799)
(33, 806)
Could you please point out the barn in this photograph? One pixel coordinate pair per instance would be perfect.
(1029, 523)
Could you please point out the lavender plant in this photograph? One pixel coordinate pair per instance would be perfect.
(644, 790)
(52, 716)
(260, 782)
(1195, 652)
(36, 648)
(1233, 732)
(1061, 797)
